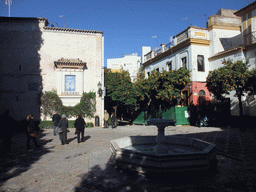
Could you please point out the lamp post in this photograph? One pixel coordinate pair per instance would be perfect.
(100, 91)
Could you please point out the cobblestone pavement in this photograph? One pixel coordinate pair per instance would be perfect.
(87, 166)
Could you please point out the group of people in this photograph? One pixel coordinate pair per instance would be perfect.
(61, 127)
(106, 118)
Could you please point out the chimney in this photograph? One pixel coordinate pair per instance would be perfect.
(162, 47)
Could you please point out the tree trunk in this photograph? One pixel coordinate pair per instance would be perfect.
(240, 105)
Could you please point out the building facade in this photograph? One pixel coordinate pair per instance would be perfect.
(38, 58)
(191, 49)
(246, 52)
(130, 63)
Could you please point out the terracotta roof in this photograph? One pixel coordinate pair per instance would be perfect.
(71, 30)
(245, 9)
(227, 52)
(70, 63)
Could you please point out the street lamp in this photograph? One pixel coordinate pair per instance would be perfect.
(100, 91)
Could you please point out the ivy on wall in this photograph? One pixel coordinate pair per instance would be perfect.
(50, 103)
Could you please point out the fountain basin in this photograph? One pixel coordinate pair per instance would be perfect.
(137, 153)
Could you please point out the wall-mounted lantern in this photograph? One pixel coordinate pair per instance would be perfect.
(100, 91)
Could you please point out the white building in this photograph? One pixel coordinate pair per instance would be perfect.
(130, 63)
(245, 51)
(36, 58)
(191, 49)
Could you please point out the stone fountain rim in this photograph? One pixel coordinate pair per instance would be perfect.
(205, 151)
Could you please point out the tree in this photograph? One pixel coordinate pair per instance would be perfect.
(230, 77)
(165, 86)
(119, 87)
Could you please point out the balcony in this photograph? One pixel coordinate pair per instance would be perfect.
(190, 35)
(250, 38)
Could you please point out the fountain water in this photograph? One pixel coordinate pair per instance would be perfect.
(162, 153)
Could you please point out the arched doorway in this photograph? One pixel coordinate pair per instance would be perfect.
(201, 96)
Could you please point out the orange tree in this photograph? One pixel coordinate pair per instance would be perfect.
(162, 87)
(119, 88)
(230, 77)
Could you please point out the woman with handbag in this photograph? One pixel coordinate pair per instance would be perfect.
(31, 132)
(63, 129)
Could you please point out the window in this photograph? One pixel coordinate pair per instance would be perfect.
(157, 69)
(169, 65)
(70, 83)
(184, 62)
(148, 74)
(200, 62)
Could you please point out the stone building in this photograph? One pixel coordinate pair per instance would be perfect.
(37, 58)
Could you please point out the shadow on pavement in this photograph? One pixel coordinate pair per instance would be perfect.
(86, 138)
(232, 174)
(19, 160)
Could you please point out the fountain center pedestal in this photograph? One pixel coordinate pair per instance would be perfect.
(160, 148)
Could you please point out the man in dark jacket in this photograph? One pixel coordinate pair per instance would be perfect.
(63, 125)
(80, 125)
(31, 133)
(56, 119)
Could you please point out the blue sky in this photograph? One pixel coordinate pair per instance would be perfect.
(127, 25)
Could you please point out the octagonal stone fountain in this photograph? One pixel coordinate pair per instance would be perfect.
(162, 153)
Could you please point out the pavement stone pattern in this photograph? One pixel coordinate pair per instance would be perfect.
(87, 166)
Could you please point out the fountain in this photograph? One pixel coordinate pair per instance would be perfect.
(162, 153)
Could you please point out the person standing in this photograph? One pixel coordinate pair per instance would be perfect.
(80, 125)
(113, 117)
(31, 132)
(56, 119)
(63, 126)
(106, 117)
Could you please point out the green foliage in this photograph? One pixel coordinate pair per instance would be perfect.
(51, 103)
(89, 124)
(71, 124)
(233, 76)
(119, 87)
(165, 86)
(46, 125)
(158, 88)
(87, 105)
